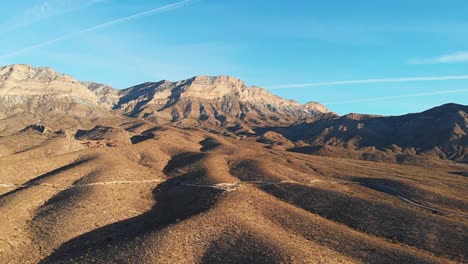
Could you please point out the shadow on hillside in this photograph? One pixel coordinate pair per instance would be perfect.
(240, 248)
(399, 224)
(408, 191)
(49, 174)
(209, 144)
(174, 202)
(140, 138)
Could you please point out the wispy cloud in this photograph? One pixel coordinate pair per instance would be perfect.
(44, 10)
(367, 81)
(385, 98)
(461, 56)
(96, 27)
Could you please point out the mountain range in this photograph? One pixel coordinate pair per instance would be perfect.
(226, 105)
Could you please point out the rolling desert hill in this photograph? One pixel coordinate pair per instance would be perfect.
(142, 175)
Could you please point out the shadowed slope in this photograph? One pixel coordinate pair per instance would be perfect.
(438, 133)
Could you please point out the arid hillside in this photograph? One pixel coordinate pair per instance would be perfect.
(106, 181)
(438, 133)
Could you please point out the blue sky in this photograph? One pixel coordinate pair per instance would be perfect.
(273, 44)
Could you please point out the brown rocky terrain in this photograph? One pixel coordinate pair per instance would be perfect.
(146, 187)
(438, 133)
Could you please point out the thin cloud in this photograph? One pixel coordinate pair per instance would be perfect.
(461, 56)
(100, 26)
(385, 98)
(383, 80)
(44, 10)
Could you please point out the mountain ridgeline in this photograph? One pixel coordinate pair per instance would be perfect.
(226, 105)
(441, 132)
(213, 101)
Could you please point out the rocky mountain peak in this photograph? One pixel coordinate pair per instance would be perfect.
(26, 81)
(22, 72)
(221, 81)
(450, 107)
(316, 107)
(37, 92)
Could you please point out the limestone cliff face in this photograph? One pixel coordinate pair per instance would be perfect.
(220, 100)
(40, 92)
(24, 80)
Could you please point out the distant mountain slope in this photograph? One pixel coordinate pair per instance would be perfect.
(106, 95)
(42, 95)
(219, 103)
(24, 88)
(441, 131)
(221, 100)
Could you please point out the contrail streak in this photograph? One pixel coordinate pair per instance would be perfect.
(44, 10)
(383, 80)
(399, 96)
(93, 28)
